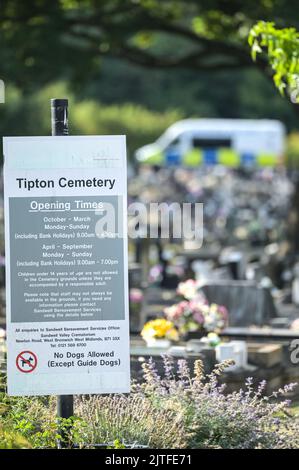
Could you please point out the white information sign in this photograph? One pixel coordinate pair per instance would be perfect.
(66, 265)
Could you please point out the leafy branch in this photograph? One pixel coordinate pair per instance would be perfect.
(282, 49)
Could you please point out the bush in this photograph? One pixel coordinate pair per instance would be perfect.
(132, 420)
(245, 419)
(100, 420)
(139, 124)
(178, 410)
(30, 115)
(9, 439)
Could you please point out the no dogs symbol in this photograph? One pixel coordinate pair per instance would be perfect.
(26, 361)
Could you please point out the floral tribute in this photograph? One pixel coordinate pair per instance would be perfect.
(160, 328)
(195, 313)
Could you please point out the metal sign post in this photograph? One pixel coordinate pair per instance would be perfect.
(59, 124)
(59, 117)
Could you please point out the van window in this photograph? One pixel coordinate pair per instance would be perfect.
(174, 142)
(199, 142)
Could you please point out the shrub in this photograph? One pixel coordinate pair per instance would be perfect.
(30, 115)
(33, 418)
(9, 439)
(245, 419)
(141, 126)
(131, 420)
(176, 410)
(128, 420)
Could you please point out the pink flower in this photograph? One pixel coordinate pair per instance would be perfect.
(183, 306)
(155, 273)
(223, 311)
(136, 295)
(176, 311)
(199, 318)
(187, 314)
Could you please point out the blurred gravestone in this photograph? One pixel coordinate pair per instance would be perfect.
(134, 275)
(247, 303)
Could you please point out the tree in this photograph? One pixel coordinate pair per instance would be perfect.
(282, 49)
(41, 40)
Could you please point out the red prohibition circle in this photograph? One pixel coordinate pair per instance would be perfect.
(21, 358)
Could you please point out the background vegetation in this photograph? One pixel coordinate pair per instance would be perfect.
(178, 409)
(135, 66)
(30, 115)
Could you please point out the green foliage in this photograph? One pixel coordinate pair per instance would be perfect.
(30, 418)
(192, 56)
(30, 115)
(282, 47)
(32, 422)
(113, 421)
(131, 420)
(292, 151)
(176, 410)
(9, 439)
(214, 419)
(42, 41)
(140, 125)
(117, 445)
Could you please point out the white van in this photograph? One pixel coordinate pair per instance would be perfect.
(229, 142)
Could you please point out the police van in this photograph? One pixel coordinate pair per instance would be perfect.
(228, 142)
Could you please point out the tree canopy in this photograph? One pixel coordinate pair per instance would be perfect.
(41, 40)
(282, 48)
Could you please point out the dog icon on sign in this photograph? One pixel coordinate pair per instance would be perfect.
(26, 361)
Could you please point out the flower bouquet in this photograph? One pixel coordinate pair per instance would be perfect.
(197, 316)
(189, 289)
(159, 333)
